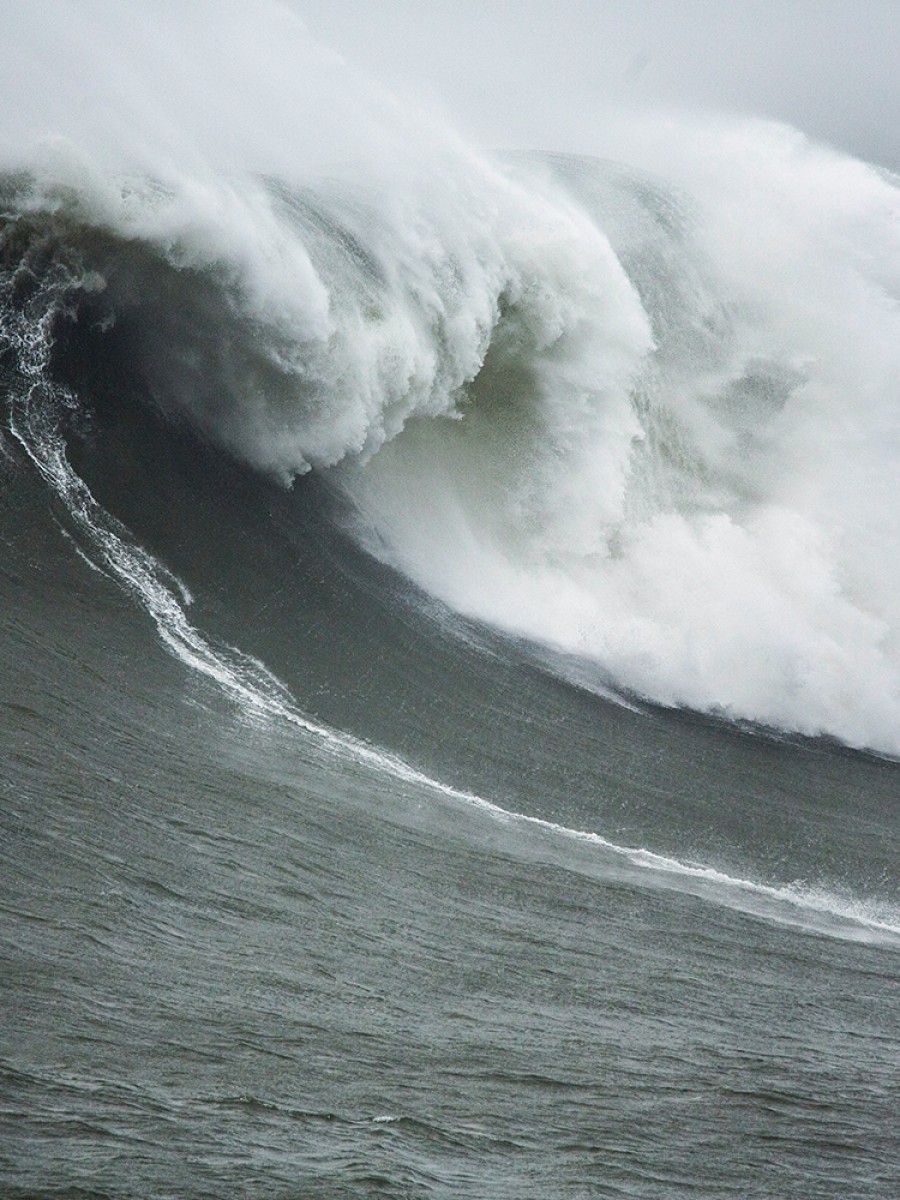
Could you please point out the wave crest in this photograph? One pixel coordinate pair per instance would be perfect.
(648, 419)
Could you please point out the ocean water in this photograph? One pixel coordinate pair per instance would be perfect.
(450, 644)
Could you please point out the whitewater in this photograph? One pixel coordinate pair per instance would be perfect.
(644, 414)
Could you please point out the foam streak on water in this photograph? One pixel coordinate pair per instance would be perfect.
(262, 697)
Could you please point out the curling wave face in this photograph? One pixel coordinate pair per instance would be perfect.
(649, 419)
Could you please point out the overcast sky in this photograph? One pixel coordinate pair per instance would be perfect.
(531, 73)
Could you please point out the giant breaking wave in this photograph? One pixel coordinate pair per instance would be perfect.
(642, 412)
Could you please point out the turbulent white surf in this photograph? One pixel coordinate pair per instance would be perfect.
(643, 410)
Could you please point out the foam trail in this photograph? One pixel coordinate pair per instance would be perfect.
(261, 696)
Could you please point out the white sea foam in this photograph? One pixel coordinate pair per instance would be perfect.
(654, 424)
